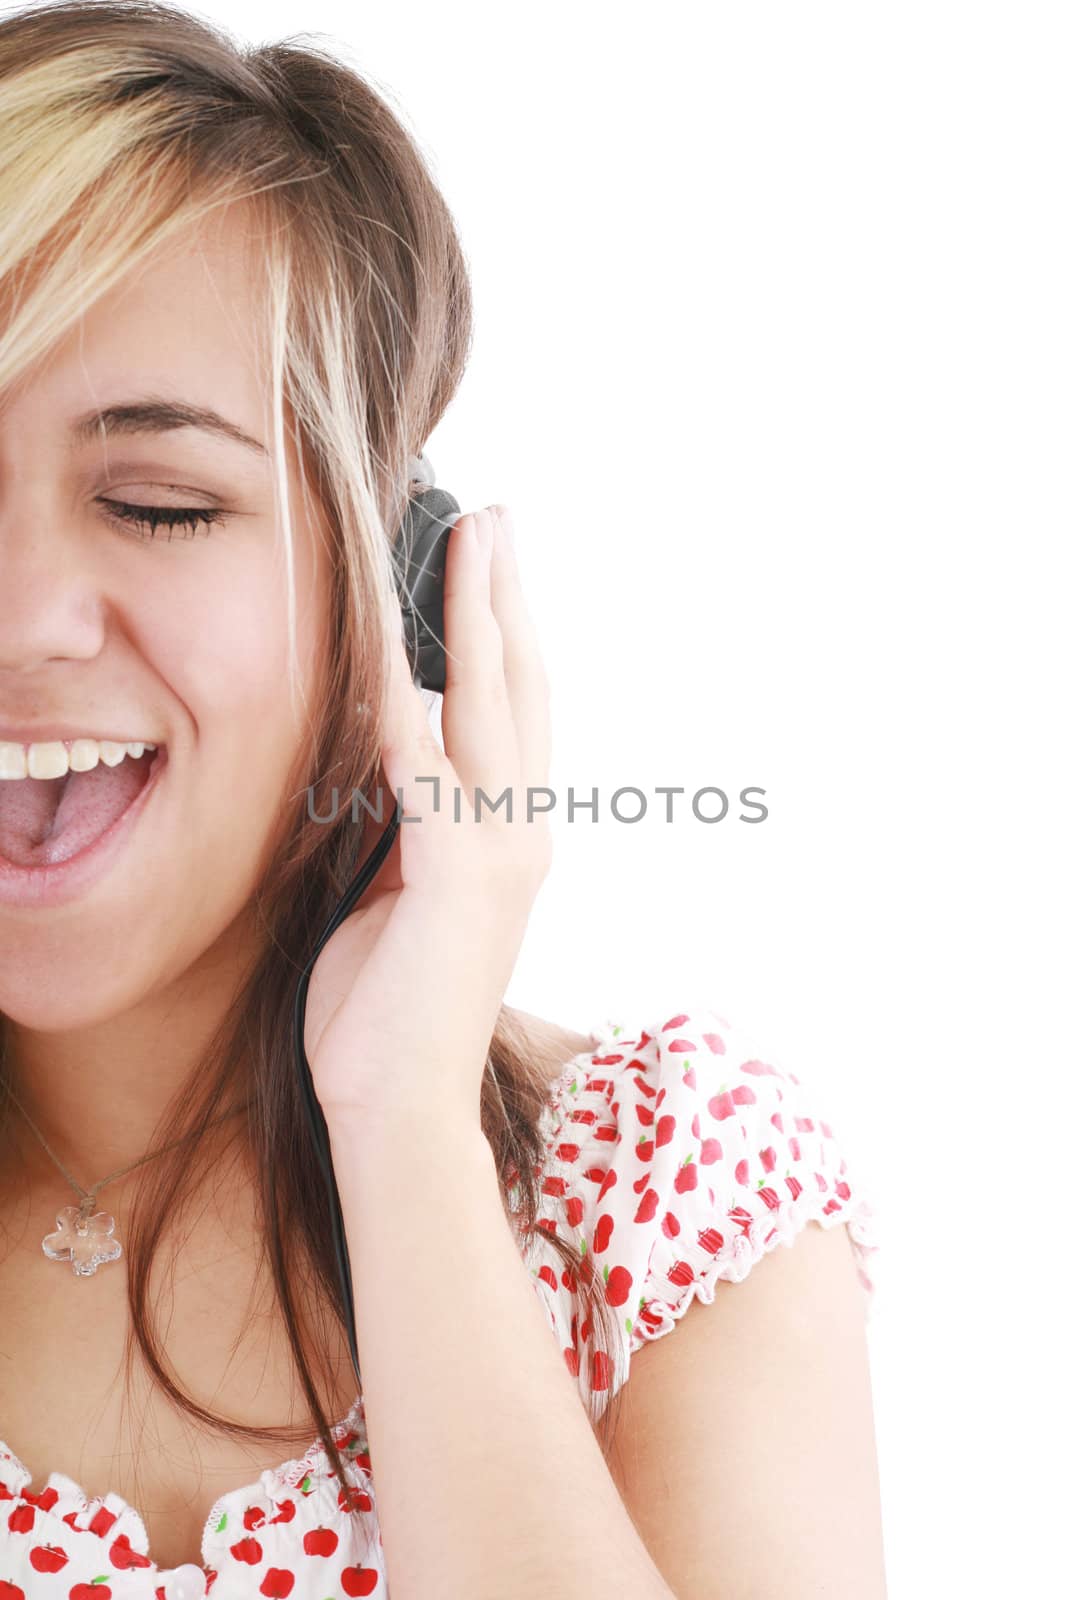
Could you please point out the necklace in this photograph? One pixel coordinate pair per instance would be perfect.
(82, 1237)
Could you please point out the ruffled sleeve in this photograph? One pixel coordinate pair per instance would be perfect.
(676, 1156)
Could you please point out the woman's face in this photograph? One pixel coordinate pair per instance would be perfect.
(178, 639)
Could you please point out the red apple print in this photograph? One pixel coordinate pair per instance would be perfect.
(842, 1189)
(794, 1148)
(689, 1077)
(102, 1521)
(604, 1229)
(710, 1239)
(285, 1513)
(675, 1022)
(248, 1550)
(650, 1318)
(759, 1069)
(611, 1178)
(680, 1274)
(742, 1095)
(548, 1276)
(124, 1556)
(767, 1195)
(647, 1209)
(254, 1517)
(681, 1047)
(320, 1542)
(568, 1280)
(574, 1208)
(710, 1150)
(603, 1366)
(741, 1173)
(641, 1182)
(553, 1186)
(567, 1152)
(644, 1148)
(570, 1356)
(278, 1584)
(645, 1115)
(742, 1218)
(359, 1580)
(714, 1043)
(605, 1061)
(804, 1125)
(685, 1178)
(11, 1591)
(670, 1225)
(48, 1558)
(776, 1122)
(768, 1157)
(618, 1283)
(792, 1185)
(47, 1499)
(21, 1519)
(821, 1181)
(721, 1106)
(83, 1591)
(664, 1131)
(607, 1131)
(352, 1498)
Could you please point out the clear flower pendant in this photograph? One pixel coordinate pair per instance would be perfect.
(85, 1240)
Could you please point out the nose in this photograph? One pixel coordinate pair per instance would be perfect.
(50, 607)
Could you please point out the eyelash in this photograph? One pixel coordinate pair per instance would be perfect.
(151, 517)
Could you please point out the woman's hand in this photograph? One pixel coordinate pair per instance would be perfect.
(403, 999)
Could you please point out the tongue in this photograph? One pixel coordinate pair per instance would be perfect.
(45, 820)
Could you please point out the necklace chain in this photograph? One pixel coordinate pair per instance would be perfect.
(89, 1195)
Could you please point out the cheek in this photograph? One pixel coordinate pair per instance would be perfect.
(221, 647)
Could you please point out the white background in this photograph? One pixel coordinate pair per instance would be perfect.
(770, 366)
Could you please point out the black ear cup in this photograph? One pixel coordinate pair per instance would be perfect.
(421, 548)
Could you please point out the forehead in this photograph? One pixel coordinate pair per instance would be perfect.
(187, 320)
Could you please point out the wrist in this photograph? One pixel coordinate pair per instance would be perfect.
(375, 1140)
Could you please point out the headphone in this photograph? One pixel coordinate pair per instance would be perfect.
(419, 573)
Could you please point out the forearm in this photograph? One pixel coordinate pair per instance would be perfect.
(488, 1477)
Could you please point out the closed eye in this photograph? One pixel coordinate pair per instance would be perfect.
(148, 519)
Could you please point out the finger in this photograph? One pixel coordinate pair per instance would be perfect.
(411, 757)
(476, 716)
(524, 668)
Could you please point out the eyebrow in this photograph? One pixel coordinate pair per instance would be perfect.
(157, 416)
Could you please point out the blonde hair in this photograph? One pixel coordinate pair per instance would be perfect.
(122, 123)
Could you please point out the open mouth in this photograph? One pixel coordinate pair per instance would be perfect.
(44, 821)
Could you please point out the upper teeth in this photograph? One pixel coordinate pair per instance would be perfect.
(53, 760)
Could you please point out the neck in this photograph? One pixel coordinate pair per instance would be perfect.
(102, 1095)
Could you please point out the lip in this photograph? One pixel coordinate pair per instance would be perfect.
(60, 882)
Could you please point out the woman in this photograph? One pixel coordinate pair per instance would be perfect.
(233, 308)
